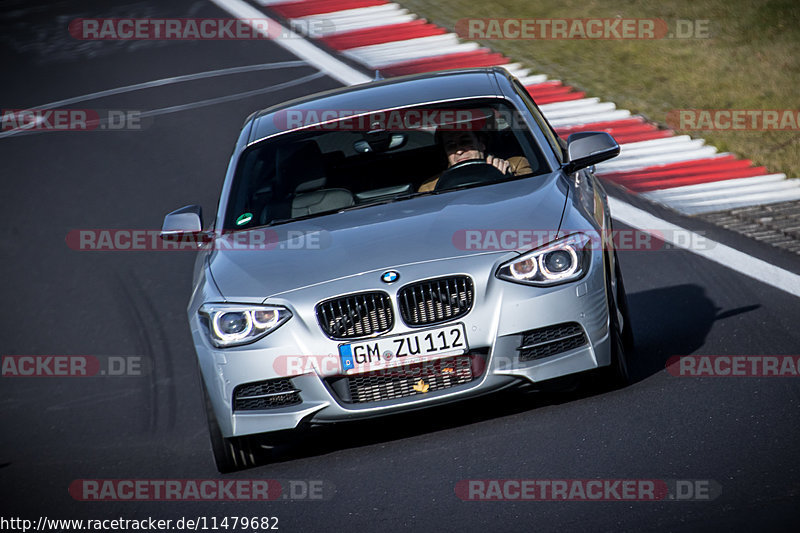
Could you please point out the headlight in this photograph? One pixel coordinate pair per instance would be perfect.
(560, 261)
(233, 325)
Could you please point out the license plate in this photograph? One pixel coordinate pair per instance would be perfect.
(409, 348)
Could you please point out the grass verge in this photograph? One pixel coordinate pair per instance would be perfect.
(750, 59)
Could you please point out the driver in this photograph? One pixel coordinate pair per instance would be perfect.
(462, 146)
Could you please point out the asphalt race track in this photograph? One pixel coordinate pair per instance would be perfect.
(394, 474)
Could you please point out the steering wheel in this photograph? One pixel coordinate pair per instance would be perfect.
(468, 172)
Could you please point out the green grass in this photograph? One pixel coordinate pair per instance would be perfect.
(751, 60)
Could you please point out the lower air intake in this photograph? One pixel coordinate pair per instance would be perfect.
(261, 395)
(552, 340)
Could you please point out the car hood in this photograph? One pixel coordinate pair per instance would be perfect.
(349, 243)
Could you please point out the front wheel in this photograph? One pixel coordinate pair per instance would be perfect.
(230, 453)
(619, 370)
(622, 305)
(620, 331)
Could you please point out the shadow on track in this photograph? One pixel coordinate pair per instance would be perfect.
(324, 439)
(672, 321)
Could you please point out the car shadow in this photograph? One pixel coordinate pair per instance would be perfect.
(668, 321)
(323, 439)
(671, 321)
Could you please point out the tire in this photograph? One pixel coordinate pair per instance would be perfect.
(234, 453)
(619, 370)
(618, 373)
(628, 340)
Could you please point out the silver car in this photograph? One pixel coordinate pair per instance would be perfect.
(357, 268)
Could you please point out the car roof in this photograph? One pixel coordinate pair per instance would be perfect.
(385, 94)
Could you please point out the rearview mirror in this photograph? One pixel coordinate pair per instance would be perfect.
(184, 224)
(588, 148)
(380, 141)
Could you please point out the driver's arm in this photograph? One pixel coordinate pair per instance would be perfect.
(519, 165)
(429, 184)
(500, 164)
(515, 165)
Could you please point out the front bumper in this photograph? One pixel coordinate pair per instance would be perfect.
(495, 327)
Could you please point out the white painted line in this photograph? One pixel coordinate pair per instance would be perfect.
(356, 19)
(657, 165)
(410, 45)
(232, 97)
(581, 112)
(724, 193)
(335, 25)
(401, 51)
(617, 122)
(657, 159)
(559, 106)
(358, 13)
(172, 80)
(380, 53)
(734, 203)
(533, 80)
(783, 192)
(102, 123)
(714, 251)
(675, 139)
(617, 114)
(517, 73)
(155, 83)
(676, 144)
(425, 54)
(516, 70)
(368, 23)
(671, 148)
(296, 44)
(717, 185)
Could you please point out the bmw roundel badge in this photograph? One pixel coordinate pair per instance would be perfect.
(390, 276)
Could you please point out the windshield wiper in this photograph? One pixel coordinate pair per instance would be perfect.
(351, 208)
(397, 198)
(301, 217)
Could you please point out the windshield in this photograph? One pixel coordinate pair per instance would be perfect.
(370, 159)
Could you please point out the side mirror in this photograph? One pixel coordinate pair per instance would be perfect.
(588, 148)
(185, 223)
